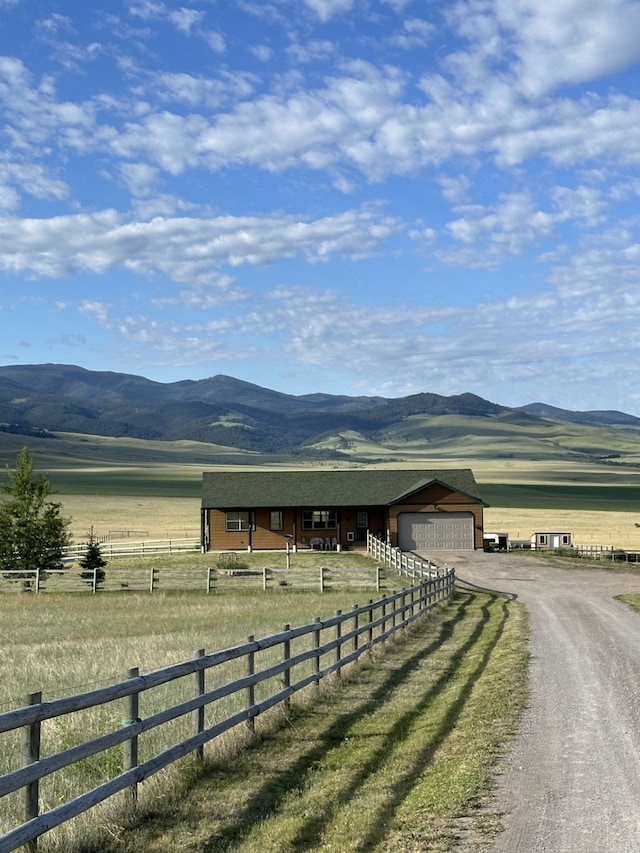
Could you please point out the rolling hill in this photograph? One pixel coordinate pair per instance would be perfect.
(45, 401)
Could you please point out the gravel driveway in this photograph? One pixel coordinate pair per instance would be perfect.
(570, 783)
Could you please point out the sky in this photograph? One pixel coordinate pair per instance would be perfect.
(376, 197)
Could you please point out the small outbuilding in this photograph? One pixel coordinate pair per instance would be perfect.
(415, 510)
(546, 541)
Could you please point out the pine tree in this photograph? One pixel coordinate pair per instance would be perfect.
(33, 533)
(92, 564)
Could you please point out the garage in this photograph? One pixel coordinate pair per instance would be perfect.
(431, 531)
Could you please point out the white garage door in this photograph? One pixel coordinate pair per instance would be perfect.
(430, 531)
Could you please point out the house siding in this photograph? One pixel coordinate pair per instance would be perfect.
(262, 538)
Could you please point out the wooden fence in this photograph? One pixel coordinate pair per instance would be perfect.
(404, 563)
(146, 548)
(303, 656)
(202, 579)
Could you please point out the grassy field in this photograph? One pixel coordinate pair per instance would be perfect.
(395, 759)
(66, 644)
(561, 478)
(420, 729)
(594, 505)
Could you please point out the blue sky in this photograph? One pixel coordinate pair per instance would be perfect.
(346, 196)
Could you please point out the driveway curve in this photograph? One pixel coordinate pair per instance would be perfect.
(570, 781)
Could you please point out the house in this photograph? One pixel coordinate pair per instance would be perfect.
(544, 541)
(419, 510)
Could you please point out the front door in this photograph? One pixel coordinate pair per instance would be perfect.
(362, 525)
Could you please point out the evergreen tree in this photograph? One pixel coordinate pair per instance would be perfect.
(33, 534)
(92, 564)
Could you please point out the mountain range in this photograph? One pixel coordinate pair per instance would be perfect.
(52, 398)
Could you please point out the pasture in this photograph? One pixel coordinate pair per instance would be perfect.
(68, 644)
(598, 504)
(399, 751)
(65, 644)
(563, 478)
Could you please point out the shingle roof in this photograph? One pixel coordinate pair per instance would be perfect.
(362, 487)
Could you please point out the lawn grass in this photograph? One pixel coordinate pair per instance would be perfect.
(395, 758)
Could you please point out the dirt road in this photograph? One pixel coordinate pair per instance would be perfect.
(570, 783)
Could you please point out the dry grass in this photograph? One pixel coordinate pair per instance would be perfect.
(390, 761)
(67, 644)
(588, 527)
(146, 517)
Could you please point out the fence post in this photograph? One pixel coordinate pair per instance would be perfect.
(198, 713)
(264, 578)
(356, 625)
(250, 689)
(209, 574)
(31, 754)
(378, 577)
(286, 675)
(370, 629)
(339, 642)
(316, 646)
(321, 578)
(131, 745)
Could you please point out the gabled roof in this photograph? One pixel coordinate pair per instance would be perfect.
(361, 487)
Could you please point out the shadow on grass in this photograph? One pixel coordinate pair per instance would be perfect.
(268, 799)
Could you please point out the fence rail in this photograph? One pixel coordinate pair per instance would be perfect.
(404, 563)
(303, 656)
(147, 547)
(198, 579)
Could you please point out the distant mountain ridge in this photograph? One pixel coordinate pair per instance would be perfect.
(230, 412)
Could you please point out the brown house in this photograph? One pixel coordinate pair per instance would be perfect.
(410, 509)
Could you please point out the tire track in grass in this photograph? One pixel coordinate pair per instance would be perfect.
(337, 776)
(390, 750)
(271, 800)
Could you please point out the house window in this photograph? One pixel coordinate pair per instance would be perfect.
(565, 539)
(319, 519)
(235, 521)
(543, 538)
(362, 519)
(275, 520)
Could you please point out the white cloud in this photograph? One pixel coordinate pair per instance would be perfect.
(215, 41)
(569, 41)
(326, 9)
(185, 19)
(513, 224)
(262, 52)
(311, 51)
(184, 249)
(416, 32)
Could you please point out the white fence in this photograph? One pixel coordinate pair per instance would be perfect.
(146, 548)
(405, 564)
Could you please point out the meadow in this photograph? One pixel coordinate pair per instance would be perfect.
(403, 717)
(65, 644)
(560, 478)
(598, 504)
(68, 644)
